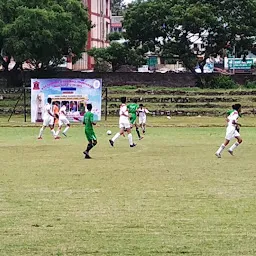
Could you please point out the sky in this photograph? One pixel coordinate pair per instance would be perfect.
(127, 1)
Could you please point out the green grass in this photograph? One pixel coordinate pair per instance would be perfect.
(167, 196)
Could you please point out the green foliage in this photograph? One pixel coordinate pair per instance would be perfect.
(221, 82)
(250, 85)
(117, 55)
(117, 7)
(115, 36)
(168, 27)
(42, 31)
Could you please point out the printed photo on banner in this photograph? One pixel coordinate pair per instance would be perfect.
(75, 94)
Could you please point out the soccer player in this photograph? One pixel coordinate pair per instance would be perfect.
(142, 113)
(132, 108)
(232, 131)
(55, 112)
(89, 132)
(124, 124)
(48, 119)
(63, 121)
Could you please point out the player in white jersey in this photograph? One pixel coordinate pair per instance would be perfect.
(232, 131)
(142, 113)
(124, 124)
(48, 119)
(63, 120)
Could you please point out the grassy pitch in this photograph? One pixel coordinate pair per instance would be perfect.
(168, 196)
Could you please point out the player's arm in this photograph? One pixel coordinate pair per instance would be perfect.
(147, 111)
(235, 122)
(92, 121)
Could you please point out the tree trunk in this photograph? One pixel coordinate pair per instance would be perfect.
(200, 81)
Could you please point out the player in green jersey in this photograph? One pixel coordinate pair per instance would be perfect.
(89, 132)
(132, 108)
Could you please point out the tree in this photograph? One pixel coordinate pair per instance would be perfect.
(168, 27)
(115, 36)
(117, 55)
(117, 7)
(42, 31)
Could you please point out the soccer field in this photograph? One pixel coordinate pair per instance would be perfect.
(169, 195)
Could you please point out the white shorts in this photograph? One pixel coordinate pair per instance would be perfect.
(63, 121)
(124, 125)
(231, 133)
(142, 120)
(48, 121)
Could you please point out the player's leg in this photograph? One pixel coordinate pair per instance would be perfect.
(59, 129)
(221, 148)
(236, 144)
(144, 128)
(117, 135)
(92, 142)
(46, 123)
(40, 136)
(88, 148)
(144, 125)
(230, 132)
(138, 131)
(67, 123)
(128, 130)
(53, 131)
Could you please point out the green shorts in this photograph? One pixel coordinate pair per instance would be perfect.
(133, 118)
(90, 135)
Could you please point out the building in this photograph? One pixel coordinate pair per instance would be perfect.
(116, 24)
(99, 13)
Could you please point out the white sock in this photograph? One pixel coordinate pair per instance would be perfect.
(41, 132)
(234, 146)
(66, 129)
(116, 136)
(130, 138)
(53, 132)
(57, 133)
(222, 147)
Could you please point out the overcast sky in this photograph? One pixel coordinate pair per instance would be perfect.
(127, 1)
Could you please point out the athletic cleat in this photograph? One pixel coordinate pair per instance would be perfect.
(57, 138)
(143, 132)
(133, 145)
(218, 155)
(86, 155)
(141, 138)
(64, 134)
(111, 143)
(39, 138)
(231, 152)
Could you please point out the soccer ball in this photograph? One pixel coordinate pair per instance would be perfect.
(109, 132)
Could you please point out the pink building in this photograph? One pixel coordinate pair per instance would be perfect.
(99, 14)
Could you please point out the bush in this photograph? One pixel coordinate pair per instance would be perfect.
(250, 85)
(221, 82)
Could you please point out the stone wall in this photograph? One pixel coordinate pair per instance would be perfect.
(14, 79)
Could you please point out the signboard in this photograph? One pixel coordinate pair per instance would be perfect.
(152, 62)
(74, 93)
(239, 64)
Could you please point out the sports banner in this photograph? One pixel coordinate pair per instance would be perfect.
(74, 93)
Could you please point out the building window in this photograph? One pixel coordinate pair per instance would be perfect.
(107, 30)
(107, 4)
